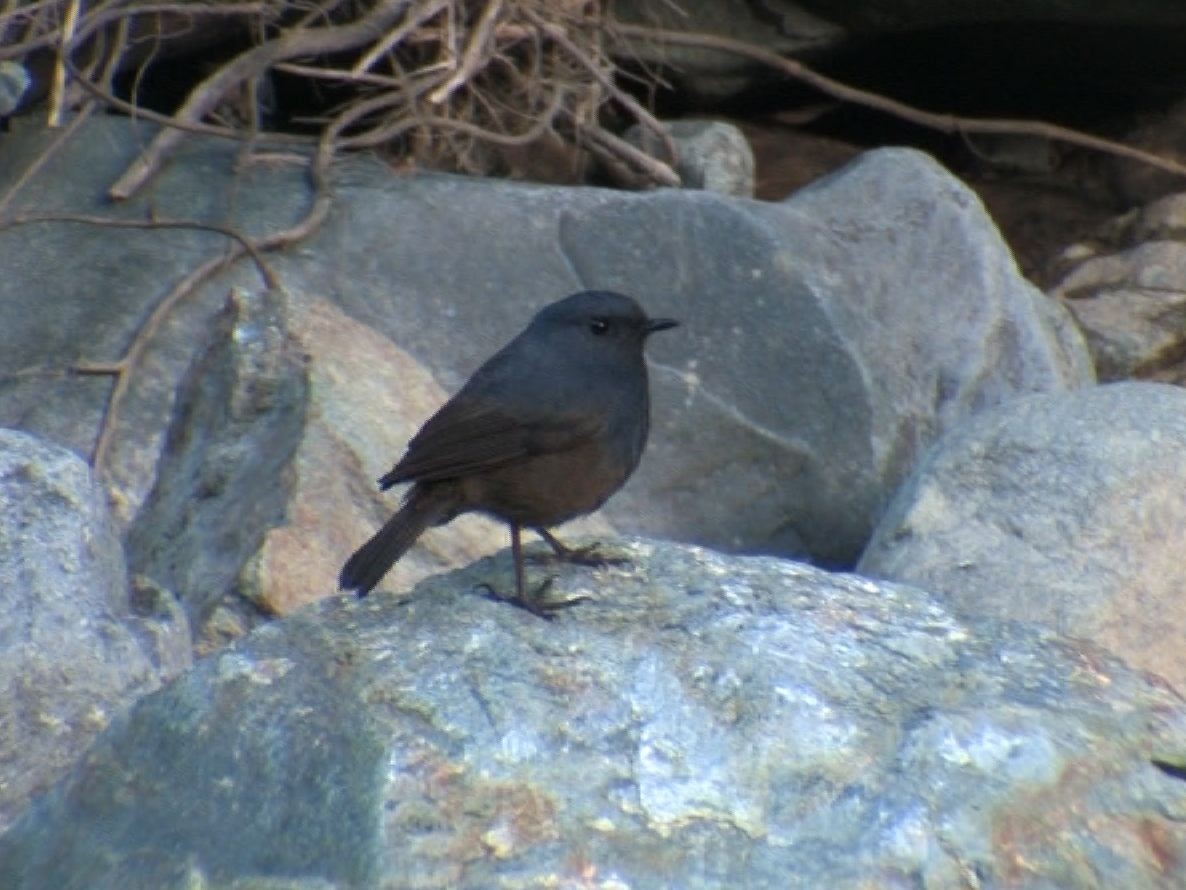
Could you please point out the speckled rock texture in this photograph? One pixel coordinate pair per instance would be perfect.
(700, 722)
(77, 641)
(1068, 509)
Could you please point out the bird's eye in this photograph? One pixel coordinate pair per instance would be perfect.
(599, 326)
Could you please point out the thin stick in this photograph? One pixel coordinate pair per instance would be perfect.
(474, 57)
(44, 155)
(165, 120)
(136, 350)
(265, 271)
(390, 131)
(122, 369)
(653, 167)
(338, 74)
(57, 95)
(250, 63)
(641, 114)
(411, 23)
(946, 123)
(111, 68)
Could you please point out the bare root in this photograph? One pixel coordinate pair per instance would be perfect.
(447, 84)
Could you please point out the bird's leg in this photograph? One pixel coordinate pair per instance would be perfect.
(517, 557)
(583, 556)
(535, 603)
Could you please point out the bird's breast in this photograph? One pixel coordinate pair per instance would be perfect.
(549, 489)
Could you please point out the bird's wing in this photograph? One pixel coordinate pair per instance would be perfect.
(464, 438)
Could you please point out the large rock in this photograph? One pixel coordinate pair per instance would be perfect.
(77, 294)
(77, 644)
(702, 721)
(827, 340)
(1064, 509)
(225, 473)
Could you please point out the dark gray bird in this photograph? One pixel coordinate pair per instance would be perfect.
(545, 431)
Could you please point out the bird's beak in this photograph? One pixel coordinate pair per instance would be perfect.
(660, 324)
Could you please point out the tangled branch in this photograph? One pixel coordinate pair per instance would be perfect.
(946, 123)
(446, 83)
(451, 84)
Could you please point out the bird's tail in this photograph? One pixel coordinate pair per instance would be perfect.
(422, 509)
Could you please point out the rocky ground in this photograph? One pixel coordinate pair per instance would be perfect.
(899, 600)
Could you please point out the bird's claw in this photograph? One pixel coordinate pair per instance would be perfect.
(535, 602)
(589, 555)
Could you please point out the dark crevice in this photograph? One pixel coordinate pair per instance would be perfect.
(1173, 770)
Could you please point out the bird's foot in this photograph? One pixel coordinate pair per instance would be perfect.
(535, 602)
(589, 555)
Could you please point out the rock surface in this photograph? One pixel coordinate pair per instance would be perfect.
(224, 476)
(1066, 509)
(827, 340)
(76, 642)
(702, 721)
(710, 155)
(1131, 302)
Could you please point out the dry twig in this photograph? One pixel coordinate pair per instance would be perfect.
(946, 123)
(47, 153)
(122, 369)
(475, 56)
(65, 41)
(251, 64)
(463, 77)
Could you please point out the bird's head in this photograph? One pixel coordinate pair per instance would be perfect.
(597, 316)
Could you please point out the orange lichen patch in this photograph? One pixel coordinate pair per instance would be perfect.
(440, 811)
(1045, 832)
(518, 817)
(570, 678)
(1090, 667)
(1037, 823)
(580, 872)
(1164, 848)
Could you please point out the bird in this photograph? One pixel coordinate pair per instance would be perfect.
(546, 430)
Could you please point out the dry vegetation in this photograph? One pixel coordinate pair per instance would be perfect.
(477, 86)
(449, 84)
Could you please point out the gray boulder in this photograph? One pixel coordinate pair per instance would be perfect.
(225, 473)
(826, 341)
(1131, 302)
(710, 155)
(1065, 509)
(77, 643)
(701, 721)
